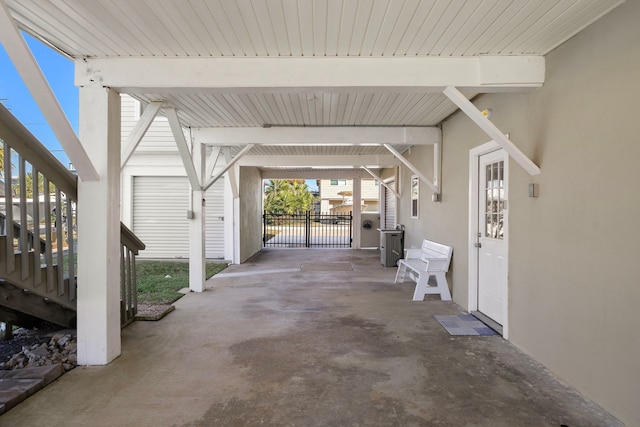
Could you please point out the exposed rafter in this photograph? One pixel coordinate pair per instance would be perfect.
(337, 135)
(17, 49)
(490, 129)
(140, 130)
(422, 74)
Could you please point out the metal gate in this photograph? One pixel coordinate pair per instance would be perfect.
(307, 230)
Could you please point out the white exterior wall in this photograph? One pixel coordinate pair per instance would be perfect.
(573, 254)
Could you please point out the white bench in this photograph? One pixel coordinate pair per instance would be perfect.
(432, 259)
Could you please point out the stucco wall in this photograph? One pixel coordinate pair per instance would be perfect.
(250, 187)
(574, 258)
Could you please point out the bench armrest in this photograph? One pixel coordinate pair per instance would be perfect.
(412, 253)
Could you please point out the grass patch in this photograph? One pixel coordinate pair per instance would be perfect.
(159, 281)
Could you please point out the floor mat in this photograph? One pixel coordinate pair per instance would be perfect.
(463, 324)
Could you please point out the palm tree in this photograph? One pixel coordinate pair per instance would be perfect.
(283, 196)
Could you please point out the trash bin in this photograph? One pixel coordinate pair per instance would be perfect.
(391, 246)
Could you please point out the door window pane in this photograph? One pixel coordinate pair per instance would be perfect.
(495, 203)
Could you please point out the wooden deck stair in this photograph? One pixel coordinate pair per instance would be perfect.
(38, 235)
(24, 299)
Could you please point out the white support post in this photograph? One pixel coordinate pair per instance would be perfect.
(235, 172)
(490, 129)
(197, 227)
(183, 147)
(17, 49)
(140, 130)
(413, 169)
(229, 219)
(384, 184)
(357, 212)
(99, 229)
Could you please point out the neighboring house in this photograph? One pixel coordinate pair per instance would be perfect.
(156, 193)
(336, 195)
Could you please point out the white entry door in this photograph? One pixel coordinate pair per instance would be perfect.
(492, 234)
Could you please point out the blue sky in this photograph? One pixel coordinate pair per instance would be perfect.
(16, 97)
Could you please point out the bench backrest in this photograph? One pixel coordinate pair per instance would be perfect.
(438, 255)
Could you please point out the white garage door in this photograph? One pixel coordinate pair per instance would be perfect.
(160, 207)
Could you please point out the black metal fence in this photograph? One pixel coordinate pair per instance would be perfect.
(307, 230)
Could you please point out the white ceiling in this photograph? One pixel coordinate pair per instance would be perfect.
(201, 28)
(293, 28)
(304, 28)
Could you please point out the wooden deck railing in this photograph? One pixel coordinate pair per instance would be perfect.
(38, 205)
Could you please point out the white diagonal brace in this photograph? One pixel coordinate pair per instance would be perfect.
(415, 170)
(183, 148)
(384, 184)
(140, 130)
(213, 160)
(17, 49)
(228, 166)
(232, 176)
(490, 129)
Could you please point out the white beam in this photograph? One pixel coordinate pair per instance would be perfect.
(322, 161)
(414, 169)
(384, 184)
(490, 129)
(227, 167)
(424, 74)
(314, 174)
(17, 49)
(140, 130)
(336, 135)
(183, 148)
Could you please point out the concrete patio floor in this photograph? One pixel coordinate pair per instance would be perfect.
(334, 343)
